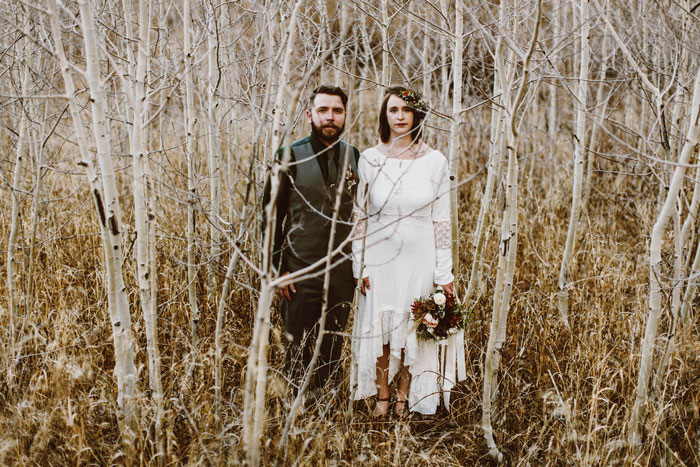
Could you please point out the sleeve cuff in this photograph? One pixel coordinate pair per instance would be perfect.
(443, 267)
(356, 270)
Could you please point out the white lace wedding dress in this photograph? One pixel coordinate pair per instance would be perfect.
(404, 218)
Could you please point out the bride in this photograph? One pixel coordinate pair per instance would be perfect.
(402, 250)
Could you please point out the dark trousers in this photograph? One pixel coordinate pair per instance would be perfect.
(301, 324)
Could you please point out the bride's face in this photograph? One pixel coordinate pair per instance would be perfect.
(399, 116)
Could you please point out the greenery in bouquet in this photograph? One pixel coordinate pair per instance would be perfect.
(438, 316)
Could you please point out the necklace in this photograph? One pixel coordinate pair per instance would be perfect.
(413, 151)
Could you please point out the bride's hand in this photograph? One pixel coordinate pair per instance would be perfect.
(449, 288)
(364, 287)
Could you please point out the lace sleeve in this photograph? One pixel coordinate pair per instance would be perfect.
(443, 232)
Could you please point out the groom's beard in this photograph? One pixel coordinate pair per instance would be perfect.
(327, 133)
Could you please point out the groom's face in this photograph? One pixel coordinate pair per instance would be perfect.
(327, 117)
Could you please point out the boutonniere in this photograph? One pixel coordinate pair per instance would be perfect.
(350, 179)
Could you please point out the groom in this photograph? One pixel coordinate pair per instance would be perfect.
(302, 232)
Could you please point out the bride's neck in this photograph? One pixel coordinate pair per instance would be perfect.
(401, 142)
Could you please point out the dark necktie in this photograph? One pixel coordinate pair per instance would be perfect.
(332, 169)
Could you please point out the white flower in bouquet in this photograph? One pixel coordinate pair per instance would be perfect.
(452, 331)
(430, 321)
(439, 299)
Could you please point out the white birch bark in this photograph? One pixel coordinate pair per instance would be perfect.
(425, 72)
(670, 338)
(689, 231)
(322, 39)
(143, 216)
(339, 61)
(20, 150)
(38, 157)
(496, 151)
(554, 58)
(110, 216)
(655, 273)
(444, 50)
(190, 113)
(218, 335)
(282, 88)
(454, 146)
(602, 105)
(690, 290)
(256, 375)
(579, 159)
(386, 64)
(665, 213)
(509, 238)
(213, 78)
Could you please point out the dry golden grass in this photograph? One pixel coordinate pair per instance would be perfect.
(563, 394)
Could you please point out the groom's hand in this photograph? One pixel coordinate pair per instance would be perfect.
(287, 290)
(364, 287)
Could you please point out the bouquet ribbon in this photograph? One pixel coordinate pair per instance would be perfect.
(451, 358)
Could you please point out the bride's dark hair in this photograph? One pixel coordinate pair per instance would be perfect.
(415, 102)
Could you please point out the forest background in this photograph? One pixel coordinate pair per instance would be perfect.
(137, 312)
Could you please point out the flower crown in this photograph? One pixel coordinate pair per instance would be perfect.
(414, 100)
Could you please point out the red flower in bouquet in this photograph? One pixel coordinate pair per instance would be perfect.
(438, 316)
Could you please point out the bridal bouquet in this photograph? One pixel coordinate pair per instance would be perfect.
(438, 316)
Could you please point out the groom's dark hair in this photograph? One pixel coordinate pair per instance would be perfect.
(330, 90)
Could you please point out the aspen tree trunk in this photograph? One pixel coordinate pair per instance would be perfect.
(36, 203)
(554, 58)
(670, 338)
(492, 358)
(340, 55)
(509, 236)
(143, 215)
(493, 351)
(655, 272)
(595, 130)
(323, 39)
(110, 216)
(275, 134)
(256, 375)
(579, 159)
(444, 50)
(689, 231)
(504, 286)
(455, 124)
(425, 72)
(230, 177)
(690, 290)
(191, 174)
(12, 305)
(232, 265)
(408, 29)
(213, 79)
(369, 54)
(496, 151)
(386, 64)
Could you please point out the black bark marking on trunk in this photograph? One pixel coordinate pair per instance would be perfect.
(100, 207)
(113, 225)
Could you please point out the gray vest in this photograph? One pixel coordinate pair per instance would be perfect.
(308, 224)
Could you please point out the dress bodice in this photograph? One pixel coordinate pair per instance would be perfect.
(402, 187)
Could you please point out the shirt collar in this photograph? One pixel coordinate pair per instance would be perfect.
(321, 149)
